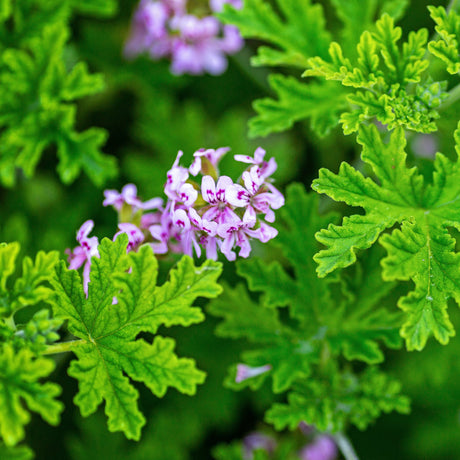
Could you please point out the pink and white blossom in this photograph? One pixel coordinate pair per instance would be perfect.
(204, 158)
(256, 196)
(195, 44)
(81, 255)
(128, 195)
(218, 208)
(135, 235)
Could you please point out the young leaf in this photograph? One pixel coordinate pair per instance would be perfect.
(447, 48)
(109, 352)
(20, 373)
(422, 250)
(36, 111)
(384, 75)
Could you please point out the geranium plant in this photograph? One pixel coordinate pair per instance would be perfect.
(293, 298)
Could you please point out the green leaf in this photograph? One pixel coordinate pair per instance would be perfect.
(36, 111)
(422, 251)
(383, 75)
(20, 373)
(329, 404)
(357, 16)
(322, 103)
(363, 320)
(327, 318)
(15, 453)
(110, 354)
(285, 28)
(27, 289)
(448, 28)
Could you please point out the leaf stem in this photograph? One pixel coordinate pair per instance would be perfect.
(62, 347)
(452, 5)
(454, 96)
(345, 446)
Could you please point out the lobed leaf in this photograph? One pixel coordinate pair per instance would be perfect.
(283, 28)
(422, 251)
(28, 289)
(448, 28)
(21, 392)
(383, 74)
(36, 111)
(328, 405)
(327, 318)
(110, 352)
(322, 103)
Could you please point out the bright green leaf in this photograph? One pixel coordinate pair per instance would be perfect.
(21, 391)
(422, 250)
(110, 354)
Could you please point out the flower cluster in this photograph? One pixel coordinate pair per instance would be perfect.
(195, 43)
(320, 446)
(215, 213)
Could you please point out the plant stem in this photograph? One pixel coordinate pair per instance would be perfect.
(452, 5)
(345, 446)
(454, 96)
(62, 347)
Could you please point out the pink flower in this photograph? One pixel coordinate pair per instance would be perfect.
(176, 188)
(82, 254)
(186, 233)
(206, 232)
(162, 233)
(206, 160)
(135, 235)
(128, 196)
(236, 234)
(244, 372)
(195, 45)
(219, 209)
(257, 441)
(149, 29)
(256, 197)
(218, 5)
(322, 448)
(265, 169)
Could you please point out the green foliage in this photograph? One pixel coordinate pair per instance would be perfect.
(109, 347)
(20, 373)
(36, 111)
(358, 16)
(15, 453)
(328, 318)
(293, 42)
(322, 103)
(330, 403)
(422, 250)
(95, 7)
(27, 289)
(292, 45)
(389, 79)
(447, 48)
